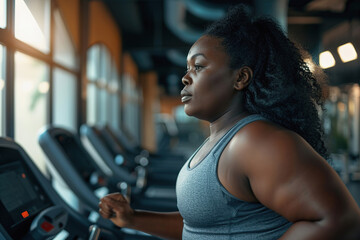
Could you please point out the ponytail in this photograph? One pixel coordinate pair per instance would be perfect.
(282, 89)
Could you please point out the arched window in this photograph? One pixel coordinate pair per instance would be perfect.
(132, 98)
(64, 105)
(103, 95)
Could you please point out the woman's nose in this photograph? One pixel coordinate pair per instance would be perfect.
(186, 80)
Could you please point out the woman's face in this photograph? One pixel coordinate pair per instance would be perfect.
(209, 81)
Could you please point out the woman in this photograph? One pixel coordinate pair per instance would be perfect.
(262, 172)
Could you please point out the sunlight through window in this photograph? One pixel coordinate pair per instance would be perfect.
(64, 105)
(64, 51)
(2, 13)
(32, 23)
(98, 73)
(31, 95)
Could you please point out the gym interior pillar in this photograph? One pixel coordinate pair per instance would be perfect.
(150, 101)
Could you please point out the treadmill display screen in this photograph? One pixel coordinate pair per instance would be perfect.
(21, 197)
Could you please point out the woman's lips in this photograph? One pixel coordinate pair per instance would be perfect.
(185, 98)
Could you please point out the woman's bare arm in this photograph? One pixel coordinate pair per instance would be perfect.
(165, 225)
(289, 177)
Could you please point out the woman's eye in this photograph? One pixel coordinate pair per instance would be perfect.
(197, 67)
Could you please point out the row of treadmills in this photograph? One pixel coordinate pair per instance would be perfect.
(82, 169)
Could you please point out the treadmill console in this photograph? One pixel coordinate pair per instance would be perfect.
(21, 197)
(26, 212)
(31, 210)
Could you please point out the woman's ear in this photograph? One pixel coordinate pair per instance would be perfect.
(244, 76)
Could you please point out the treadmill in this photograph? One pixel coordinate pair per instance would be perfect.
(74, 169)
(111, 154)
(31, 209)
(124, 140)
(156, 163)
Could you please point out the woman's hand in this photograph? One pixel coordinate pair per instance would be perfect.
(116, 207)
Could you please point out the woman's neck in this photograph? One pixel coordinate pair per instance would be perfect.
(221, 125)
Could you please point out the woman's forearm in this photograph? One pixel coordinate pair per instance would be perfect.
(164, 225)
(116, 207)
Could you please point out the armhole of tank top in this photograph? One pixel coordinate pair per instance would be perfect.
(220, 150)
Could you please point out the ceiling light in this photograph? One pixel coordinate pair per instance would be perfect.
(347, 52)
(326, 60)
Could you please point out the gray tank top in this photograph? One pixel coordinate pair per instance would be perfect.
(211, 212)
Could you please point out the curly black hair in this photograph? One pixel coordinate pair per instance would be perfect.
(283, 89)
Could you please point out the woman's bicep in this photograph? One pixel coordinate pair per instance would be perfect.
(289, 177)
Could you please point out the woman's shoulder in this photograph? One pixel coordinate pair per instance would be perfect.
(264, 131)
(264, 141)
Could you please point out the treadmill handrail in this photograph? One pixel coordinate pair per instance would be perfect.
(66, 169)
(120, 173)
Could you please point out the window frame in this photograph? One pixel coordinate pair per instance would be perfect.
(12, 45)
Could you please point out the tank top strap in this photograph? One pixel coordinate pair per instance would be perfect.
(217, 150)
